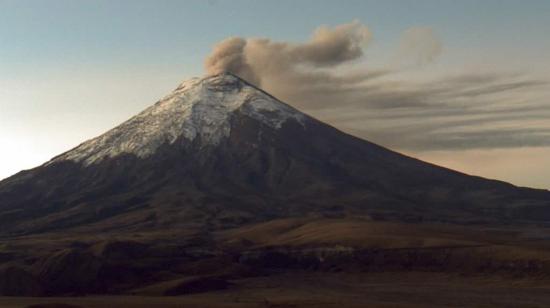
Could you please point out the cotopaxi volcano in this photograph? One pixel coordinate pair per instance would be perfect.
(220, 152)
(220, 186)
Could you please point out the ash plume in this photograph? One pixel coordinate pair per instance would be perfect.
(261, 60)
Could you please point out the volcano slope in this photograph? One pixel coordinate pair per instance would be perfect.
(220, 181)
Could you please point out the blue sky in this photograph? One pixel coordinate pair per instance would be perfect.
(50, 34)
(70, 69)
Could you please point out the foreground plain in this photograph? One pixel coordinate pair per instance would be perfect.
(307, 262)
(392, 289)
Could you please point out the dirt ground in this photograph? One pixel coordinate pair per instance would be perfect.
(303, 289)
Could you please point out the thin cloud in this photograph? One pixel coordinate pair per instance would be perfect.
(419, 46)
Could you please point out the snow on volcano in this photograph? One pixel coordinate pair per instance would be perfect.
(197, 107)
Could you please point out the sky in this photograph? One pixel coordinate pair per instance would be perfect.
(463, 84)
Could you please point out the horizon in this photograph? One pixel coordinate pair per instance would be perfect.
(421, 83)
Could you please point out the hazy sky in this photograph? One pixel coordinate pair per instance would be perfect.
(462, 83)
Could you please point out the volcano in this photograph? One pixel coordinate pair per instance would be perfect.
(218, 152)
(221, 187)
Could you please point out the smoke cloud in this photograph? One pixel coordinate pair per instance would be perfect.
(229, 56)
(261, 60)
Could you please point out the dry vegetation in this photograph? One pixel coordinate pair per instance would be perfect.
(308, 262)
